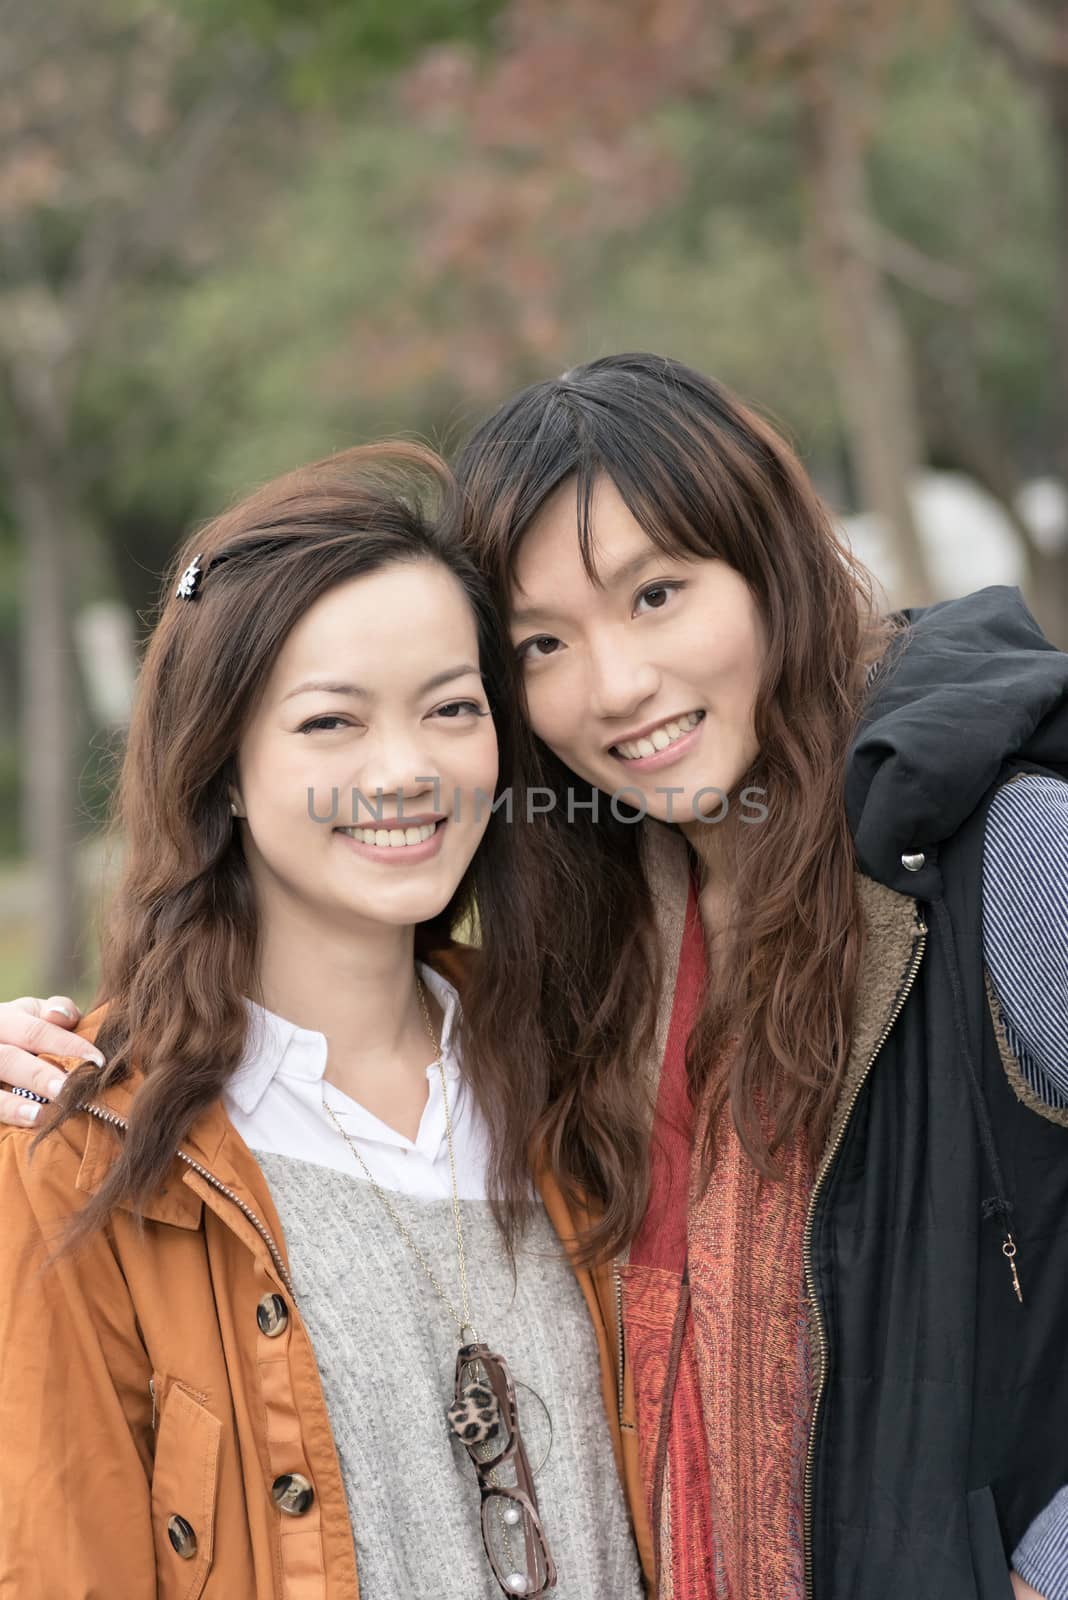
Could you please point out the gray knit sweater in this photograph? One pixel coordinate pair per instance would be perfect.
(386, 1349)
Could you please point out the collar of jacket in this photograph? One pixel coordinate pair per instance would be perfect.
(892, 923)
(210, 1144)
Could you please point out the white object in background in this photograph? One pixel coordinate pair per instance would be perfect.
(1043, 504)
(104, 639)
(968, 539)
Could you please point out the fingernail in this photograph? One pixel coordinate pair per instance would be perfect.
(30, 1111)
(55, 1086)
(64, 1011)
(96, 1058)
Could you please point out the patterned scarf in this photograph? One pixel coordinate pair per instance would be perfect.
(715, 1326)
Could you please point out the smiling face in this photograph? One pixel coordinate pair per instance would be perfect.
(647, 681)
(376, 689)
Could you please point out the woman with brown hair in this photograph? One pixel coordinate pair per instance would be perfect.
(806, 983)
(240, 1264)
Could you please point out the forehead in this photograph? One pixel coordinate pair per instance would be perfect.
(387, 623)
(549, 558)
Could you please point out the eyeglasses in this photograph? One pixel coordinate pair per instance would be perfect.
(485, 1418)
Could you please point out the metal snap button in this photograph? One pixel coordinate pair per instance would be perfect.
(292, 1493)
(913, 863)
(182, 1537)
(272, 1315)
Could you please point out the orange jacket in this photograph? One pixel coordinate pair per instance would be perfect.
(163, 1428)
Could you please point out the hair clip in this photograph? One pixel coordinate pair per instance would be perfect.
(189, 582)
(193, 576)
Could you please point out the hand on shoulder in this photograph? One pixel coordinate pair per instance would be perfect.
(32, 1028)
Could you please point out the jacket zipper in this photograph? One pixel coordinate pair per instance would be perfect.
(618, 1283)
(115, 1121)
(919, 946)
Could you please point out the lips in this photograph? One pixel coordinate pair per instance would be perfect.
(660, 737)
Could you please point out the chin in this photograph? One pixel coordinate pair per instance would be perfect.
(405, 911)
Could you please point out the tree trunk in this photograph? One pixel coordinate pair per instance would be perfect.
(867, 339)
(1052, 567)
(49, 728)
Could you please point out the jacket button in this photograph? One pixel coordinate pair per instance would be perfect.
(272, 1315)
(913, 863)
(292, 1493)
(182, 1537)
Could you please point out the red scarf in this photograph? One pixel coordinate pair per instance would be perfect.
(717, 1343)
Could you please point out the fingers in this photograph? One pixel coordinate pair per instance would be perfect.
(58, 1008)
(25, 1034)
(17, 1112)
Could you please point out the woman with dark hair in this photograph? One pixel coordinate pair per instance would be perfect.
(805, 974)
(241, 1262)
(782, 1008)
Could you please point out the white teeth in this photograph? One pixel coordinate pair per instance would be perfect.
(390, 838)
(660, 738)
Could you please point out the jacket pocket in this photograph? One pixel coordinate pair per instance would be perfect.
(989, 1561)
(184, 1481)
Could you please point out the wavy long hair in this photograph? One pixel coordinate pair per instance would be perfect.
(706, 476)
(180, 944)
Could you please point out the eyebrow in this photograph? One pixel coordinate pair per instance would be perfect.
(329, 686)
(622, 574)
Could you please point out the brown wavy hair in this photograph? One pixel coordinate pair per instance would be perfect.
(706, 476)
(180, 944)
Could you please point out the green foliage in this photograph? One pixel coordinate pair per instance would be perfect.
(366, 266)
(335, 46)
(962, 171)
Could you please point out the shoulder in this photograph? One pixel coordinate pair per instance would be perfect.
(1025, 926)
(39, 1176)
(45, 1161)
(1032, 805)
(1025, 859)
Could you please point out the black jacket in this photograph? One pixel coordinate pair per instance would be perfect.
(941, 1428)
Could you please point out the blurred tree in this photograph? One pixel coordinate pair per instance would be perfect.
(567, 142)
(113, 123)
(1032, 36)
(601, 149)
(140, 137)
(833, 57)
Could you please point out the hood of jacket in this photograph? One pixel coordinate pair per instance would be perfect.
(969, 685)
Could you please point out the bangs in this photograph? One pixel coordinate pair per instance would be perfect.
(666, 468)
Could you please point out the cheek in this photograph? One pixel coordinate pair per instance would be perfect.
(472, 762)
(554, 706)
(489, 763)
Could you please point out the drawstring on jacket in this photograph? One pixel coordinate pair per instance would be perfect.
(998, 1205)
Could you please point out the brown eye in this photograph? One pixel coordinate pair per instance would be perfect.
(458, 708)
(543, 645)
(657, 595)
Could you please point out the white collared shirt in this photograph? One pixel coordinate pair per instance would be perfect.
(275, 1101)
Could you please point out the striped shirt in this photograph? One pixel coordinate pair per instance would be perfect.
(1025, 939)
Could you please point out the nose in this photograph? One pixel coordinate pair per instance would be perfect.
(397, 768)
(622, 678)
